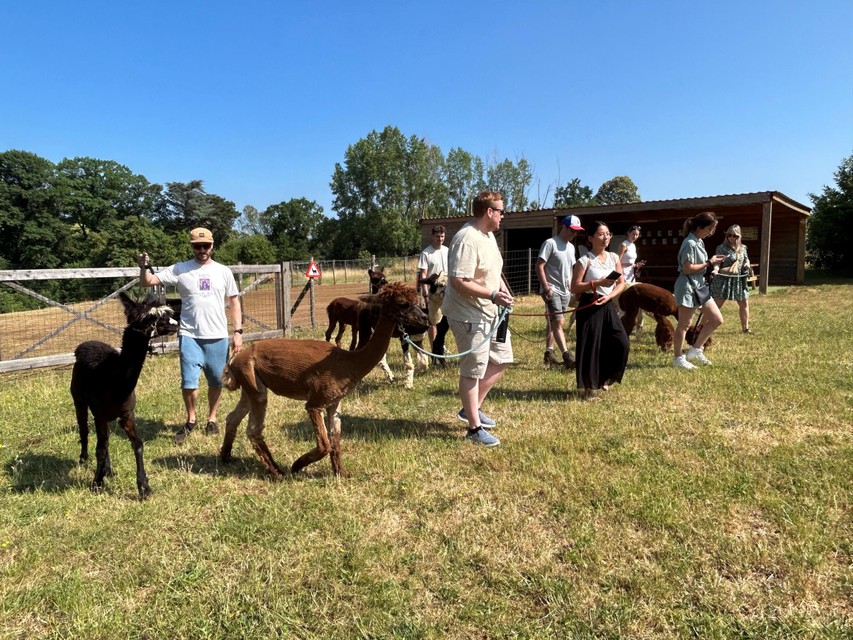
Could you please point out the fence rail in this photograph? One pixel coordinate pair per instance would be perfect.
(46, 313)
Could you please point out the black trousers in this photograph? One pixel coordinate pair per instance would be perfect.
(601, 351)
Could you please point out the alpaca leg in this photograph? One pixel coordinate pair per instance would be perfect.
(438, 343)
(383, 364)
(129, 425)
(102, 430)
(340, 334)
(354, 340)
(255, 431)
(232, 422)
(663, 332)
(323, 446)
(82, 412)
(638, 330)
(331, 328)
(409, 366)
(333, 425)
(421, 361)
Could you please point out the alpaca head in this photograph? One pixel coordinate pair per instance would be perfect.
(400, 302)
(152, 317)
(377, 278)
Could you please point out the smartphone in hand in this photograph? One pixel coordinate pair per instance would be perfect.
(613, 275)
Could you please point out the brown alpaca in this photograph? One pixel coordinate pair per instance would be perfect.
(314, 371)
(343, 313)
(660, 303)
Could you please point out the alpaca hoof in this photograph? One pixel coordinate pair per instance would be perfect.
(226, 458)
(95, 487)
(83, 460)
(144, 492)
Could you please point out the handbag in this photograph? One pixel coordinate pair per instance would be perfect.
(702, 294)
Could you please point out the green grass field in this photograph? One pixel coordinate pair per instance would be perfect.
(708, 504)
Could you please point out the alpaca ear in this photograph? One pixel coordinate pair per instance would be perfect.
(128, 302)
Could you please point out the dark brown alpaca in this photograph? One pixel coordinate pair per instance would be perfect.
(314, 371)
(660, 303)
(103, 381)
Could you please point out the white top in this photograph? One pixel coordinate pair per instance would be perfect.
(598, 270)
(433, 260)
(203, 289)
(473, 255)
(628, 260)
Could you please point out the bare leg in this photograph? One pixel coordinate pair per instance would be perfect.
(190, 401)
(685, 315)
(744, 314)
(711, 319)
(473, 392)
(214, 397)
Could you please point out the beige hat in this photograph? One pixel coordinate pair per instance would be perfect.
(200, 234)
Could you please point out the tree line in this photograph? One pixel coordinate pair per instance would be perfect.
(88, 212)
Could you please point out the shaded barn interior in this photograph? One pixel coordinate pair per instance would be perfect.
(773, 227)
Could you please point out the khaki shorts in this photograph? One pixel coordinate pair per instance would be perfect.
(472, 334)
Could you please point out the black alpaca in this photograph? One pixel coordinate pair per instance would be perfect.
(104, 381)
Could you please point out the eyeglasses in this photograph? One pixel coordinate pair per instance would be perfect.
(500, 211)
(202, 247)
(732, 235)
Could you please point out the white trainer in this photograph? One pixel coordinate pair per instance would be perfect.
(698, 355)
(680, 362)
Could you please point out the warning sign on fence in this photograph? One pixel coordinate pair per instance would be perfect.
(313, 271)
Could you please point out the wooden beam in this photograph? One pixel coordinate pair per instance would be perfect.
(764, 260)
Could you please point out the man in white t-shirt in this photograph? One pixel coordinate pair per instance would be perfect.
(433, 261)
(474, 295)
(203, 285)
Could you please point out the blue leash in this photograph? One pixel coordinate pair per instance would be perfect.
(502, 314)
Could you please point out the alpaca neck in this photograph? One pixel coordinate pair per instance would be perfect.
(370, 355)
(134, 348)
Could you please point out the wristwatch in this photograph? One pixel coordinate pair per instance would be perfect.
(240, 331)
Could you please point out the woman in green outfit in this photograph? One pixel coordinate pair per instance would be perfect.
(730, 282)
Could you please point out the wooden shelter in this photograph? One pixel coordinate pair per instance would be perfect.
(773, 227)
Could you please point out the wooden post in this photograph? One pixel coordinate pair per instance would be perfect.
(286, 275)
(279, 291)
(764, 260)
(529, 270)
(334, 277)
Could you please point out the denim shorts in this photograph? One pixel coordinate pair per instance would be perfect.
(198, 354)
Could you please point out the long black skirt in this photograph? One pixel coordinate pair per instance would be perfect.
(602, 345)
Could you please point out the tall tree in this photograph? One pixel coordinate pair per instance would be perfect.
(386, 183)
(830, 227)
(33, 236)
(187, 205)
(512, 180)
(618, 190)
(574, 194)
(463, 175)
(293, 227)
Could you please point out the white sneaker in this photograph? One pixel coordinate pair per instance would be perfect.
(698, 355)
(680, 362)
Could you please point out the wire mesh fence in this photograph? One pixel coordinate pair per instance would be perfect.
(45, 314)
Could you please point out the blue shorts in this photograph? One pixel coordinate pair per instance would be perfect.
(208, 355)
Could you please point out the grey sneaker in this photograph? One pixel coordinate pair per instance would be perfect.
(550, 358)
(483, 437)
(568, 360)
(698, 355)
(485, 421)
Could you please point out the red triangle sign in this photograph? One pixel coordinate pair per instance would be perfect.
(313, 271)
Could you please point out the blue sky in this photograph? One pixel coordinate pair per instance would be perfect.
(260, 99)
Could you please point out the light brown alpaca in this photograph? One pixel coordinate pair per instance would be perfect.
(314, 371)
(661, 304)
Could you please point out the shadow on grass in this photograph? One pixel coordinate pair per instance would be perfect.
(31, 471)
(210, 464)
